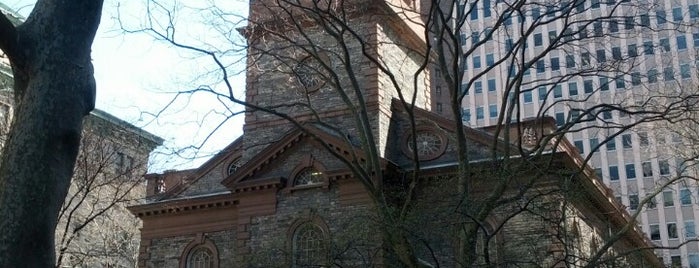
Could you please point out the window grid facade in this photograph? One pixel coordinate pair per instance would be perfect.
(661, 59)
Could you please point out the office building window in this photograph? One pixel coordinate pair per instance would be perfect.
(675, 262)
(694, 11)
(668, 73)
(626, 141)
(527, 96)
(475, 37)
(677, 14)
(570, 61)
(594, 4)
(476, 62)
(695, 37)
(540, 66)
(613, 172)
(671, 230)
(538, 39)
(613, 26)
(648, 48)
(474, 12)
(486, 8)
(597, 28)
(553, 35)
(509, 44)
(493, 110)
(654, 232)
(478, 87)
(536, 13)
(635, 78)
(664, 167)
(616, 53)
(598, 173)
(651, 204)
(490, 60)
(693, 261)
(633, 201)
(491, 85)
(555, 64)
(466, 115)
(668, 200)
(665, 44)
(594, 147)
(573, 89)
(542, 93)
(560, 119)
(585, 59)
(690, 231)
(579, 145)
(685, 73)
(681, 42)
(685, 196)
(647, 169)
(574, 115)
(643, 139)
(479, 113)
(604, 83)
(652, 76)
(630, 171)
(587, 86)
(611, 145)
(660, 16)
(601, 56)
(557, 92)
(619, 82)
(632, 50)
(629, 22)
(645, 20)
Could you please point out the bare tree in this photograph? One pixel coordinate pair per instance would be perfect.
(54, 89)
(320, 46)
(94, 226)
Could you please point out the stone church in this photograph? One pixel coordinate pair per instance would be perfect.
(330, 132)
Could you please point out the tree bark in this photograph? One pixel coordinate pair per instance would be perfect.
(54, 89)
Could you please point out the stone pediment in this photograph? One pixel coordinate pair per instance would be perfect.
(312, 146)
(439, 140)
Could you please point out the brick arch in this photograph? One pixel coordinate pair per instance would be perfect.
(200, 241)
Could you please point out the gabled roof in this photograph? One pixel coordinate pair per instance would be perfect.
(341, 145)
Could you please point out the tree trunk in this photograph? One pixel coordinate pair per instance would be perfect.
(54, 90)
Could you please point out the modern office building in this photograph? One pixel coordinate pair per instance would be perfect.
(605, 70)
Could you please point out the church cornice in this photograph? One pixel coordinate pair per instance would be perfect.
(185, 205)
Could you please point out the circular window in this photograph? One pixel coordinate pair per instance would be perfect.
(308, 176)
(430, 145)
(309, 74)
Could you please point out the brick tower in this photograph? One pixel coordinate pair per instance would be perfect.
(330, 62)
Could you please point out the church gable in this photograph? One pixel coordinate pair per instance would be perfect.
(436, 139)
(295, 161)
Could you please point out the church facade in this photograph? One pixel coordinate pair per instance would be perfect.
(327, 125)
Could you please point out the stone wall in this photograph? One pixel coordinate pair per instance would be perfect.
(167, 252)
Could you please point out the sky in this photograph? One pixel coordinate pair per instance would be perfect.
(137, 77)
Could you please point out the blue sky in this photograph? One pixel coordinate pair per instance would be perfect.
(137, 75)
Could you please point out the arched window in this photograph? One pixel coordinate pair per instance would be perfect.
(199, 253)
(200, 257)
(233, 166)
(309, 247)
(308, 176)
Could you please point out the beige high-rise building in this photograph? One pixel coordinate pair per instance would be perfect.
(598, 67)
